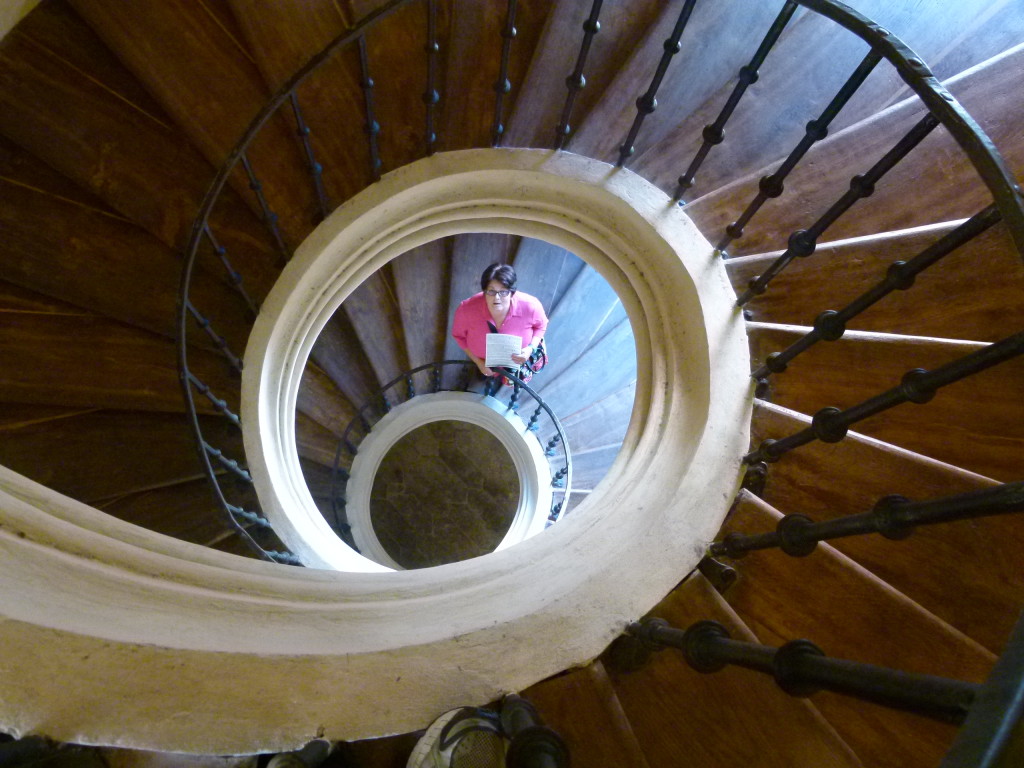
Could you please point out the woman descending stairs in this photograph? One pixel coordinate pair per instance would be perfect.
(114, 118)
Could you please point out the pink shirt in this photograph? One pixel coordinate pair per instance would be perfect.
(525, 318)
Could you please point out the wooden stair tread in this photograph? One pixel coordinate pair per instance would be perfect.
(582, 707)
(622, 29)
(731, 718)
(546, 271)
(973, 293)
(851, 614)
(602, 369)
(589, 469)
(95, 455)
(376, 318)
(173, 47)
(315, 442)
(945, 184)
(321, 400)
(976, 423)
(755, 134)
(603, 421)
(421, 290)
(184, 510)
(826, 481)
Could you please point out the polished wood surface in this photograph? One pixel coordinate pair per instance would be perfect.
(976, 423)
(980, 556)
(376, 318)
(729, 718)
(851, 614)
(421, 290)
(973, 293)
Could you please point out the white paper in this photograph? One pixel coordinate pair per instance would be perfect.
(500, 348)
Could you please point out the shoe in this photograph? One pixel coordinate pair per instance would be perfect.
(461, 738)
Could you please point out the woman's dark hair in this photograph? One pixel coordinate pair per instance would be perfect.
(503, 273)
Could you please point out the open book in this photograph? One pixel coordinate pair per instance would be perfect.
(500, 348)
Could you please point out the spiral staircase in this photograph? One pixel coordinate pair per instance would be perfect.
(115, 117)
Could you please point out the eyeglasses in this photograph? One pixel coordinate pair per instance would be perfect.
(503, 294)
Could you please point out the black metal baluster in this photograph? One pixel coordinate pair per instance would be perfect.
(830, 425)
(269, 217)
(249, 517)
(372, 126)
(575, 82)
(229, 464)
(803, 242)
(502, 85)
(532, 425)
(431, 96)
(800, 668)
(286, 558)
(436, 377)
(556, 510)
(831, 325)
(512, 402)
(771, 186)
(714, 134)
(220, 342)
(647, 103)
(894, 517)
(549, 450)
(220, 405)
(233, 275)
(558, 480)
(315, 169)
(410, 387)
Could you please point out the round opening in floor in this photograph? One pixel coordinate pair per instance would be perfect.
(446, 491)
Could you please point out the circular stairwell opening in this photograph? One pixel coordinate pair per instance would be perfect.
(446, 491)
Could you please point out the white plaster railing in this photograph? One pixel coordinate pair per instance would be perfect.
(531, 465)
(116, 635)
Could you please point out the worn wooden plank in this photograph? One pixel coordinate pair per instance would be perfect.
(539, 110)
(575, 321)
(545, 270)
(589, 467)
(338, 353)
(782, 598)
(603, 369)
(772, 116)
(706, 60)
(313, 441)
(322, 400)
(185, 511)
(373, 310)
(421, 289)
(75, 119)
(472, 253)
(282, 40)
(467, 106)
(601, 422)
(934, 183)
(849, 477)
(973, 293)
(977, 423)
(733, 717)
(173, 47)
(582, 707)
(94, 455)
(78, 359)
(104, 264)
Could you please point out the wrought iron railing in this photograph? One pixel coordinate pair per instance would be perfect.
(829, 424)
(403, 389)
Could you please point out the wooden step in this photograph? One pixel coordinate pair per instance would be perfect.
(980, 556)
(581, 706)
(376, 318)
(67, 356)
(575, 322)
(601, 422)
(771, 118)
(920, 190)
(973, 293)
(315, 442)
(622, 29)
(726, 719)
(977, 423)
(421, 290)
(184, 510)
(603, 369)
(545, 271)
(468, 100)
(92, 455)
(321, 399)
(338, 353)
(589, 467)
(143, 167)
(705, 62)
(852, 614)
(196, 66)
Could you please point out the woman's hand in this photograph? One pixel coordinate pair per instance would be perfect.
(523, 356)
(484, 369)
